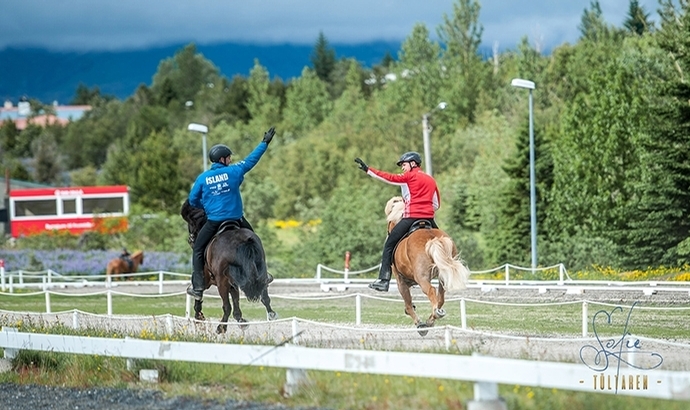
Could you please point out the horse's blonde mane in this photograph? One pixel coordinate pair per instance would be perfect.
(395, 209)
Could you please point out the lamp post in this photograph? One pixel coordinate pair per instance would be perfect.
(426, 130)
(203, 130)
(520, 83)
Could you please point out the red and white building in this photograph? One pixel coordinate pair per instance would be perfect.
(73, 209)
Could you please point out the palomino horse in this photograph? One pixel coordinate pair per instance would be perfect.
(234, 260)
(119, 266)
(423, 255)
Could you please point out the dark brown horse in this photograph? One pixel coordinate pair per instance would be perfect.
(234, 260)
(119, 266)
(420, 257)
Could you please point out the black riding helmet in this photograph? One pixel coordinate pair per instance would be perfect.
(409, 157)
(218, 151)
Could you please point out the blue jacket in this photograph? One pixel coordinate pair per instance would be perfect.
(217, 190)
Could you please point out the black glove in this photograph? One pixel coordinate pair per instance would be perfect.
(362, 165)
(268, 136)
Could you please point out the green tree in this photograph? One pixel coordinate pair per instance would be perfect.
(461, 35)
(358, 229)
(593, 27)
(511, 242)
(637, 21)
(308, 103)
(660, 220)
(121, 164)
(263, 105)
(86, 141)
(181, 77)
(234, 106)
(88, 96)
(9, 134)
(418, 73)
(156, 183)
(47, 163)
(323, 58)
(597, 160)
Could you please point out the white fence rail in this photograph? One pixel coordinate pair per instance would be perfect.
(484, 370)
(49, 279)
(462, 303)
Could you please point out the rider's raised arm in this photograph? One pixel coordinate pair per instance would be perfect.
(393, 179)
(253, 158)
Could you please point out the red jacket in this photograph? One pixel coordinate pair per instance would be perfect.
(419, 191)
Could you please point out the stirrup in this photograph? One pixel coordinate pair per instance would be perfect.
(196, 294)
(380, 284)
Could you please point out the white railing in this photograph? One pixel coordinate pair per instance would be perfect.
(487, 372)
(49, 279)
(584, 318)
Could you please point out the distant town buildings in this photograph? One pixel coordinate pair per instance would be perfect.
(23, 114)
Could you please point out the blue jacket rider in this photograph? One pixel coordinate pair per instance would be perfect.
(217, 191)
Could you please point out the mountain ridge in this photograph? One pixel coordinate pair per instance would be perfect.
(54, 75)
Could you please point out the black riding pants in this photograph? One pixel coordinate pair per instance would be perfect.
(204, 236)
(396, 234)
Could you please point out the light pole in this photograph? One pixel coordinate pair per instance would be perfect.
(426, 130)
(203, 130)
(520, 83)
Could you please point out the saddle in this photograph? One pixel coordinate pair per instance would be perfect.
(419, 224)
(416, 225)
(128, 261)
(224, 226)
(228, 226)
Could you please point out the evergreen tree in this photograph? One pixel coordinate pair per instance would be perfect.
(660, 222)
(637, 22)
(323, 58)
(593, 27)
(461, 34)
(512, 240)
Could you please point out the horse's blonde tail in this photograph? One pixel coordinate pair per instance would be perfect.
(451, 271)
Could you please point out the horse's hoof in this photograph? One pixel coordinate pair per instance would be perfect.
(422, 332)
(221, 329)
(272, 316)
(243, 324)
(199, 316)
(440, 313)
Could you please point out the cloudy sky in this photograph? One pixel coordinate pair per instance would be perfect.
(89, 25)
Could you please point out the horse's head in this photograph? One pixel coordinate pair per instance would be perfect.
(195, 218)
(395, 208)
(138, 256)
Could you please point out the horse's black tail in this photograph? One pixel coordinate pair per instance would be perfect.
(251, 274)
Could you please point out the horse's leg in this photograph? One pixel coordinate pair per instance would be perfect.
(198, 314)
(266, 300)
(235, 293)
(440, 312)
(430, 292)
(223, 291)
(404, 290)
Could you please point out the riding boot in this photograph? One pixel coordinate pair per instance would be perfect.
(381, 284)
(196, 289)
